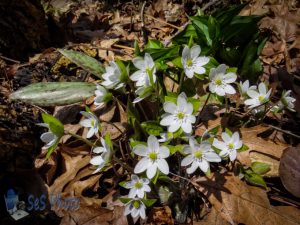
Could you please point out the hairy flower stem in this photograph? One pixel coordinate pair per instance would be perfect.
(199, 115)
(81, 138)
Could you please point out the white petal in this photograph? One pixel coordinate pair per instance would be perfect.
(192, 168)
(212, 87)
(224, 152)
(167, 120)
(186, 127)
(132, 193)
(140, 150)
(200, 70)
(127, 209)
(99, 150)
(189, 108)
(189, 72)
(212, 157)
(232, 155)
(137, 75)
(97, 160)
(139, 63)
(238, 145)
(252, 93)
(195, 51)
(141, 166)
(221, 69)
(230, 78)
(85, 123)
(181, 101)
(142, 212)
(163, 166)
(219, 144)
(235, 137)
(252, 102)
(187, 160)
(187, 149)
(226, 138)
(174, 127)
(262, 88)
(185, 53)
(229, 89)
(153, 143)
(48, 137)
(201, 61)
(164, 152)
(169, 107)
(151, 171)
(220, 91)
(135, 178)
(90, 133)
(204, 165)
(147, 188)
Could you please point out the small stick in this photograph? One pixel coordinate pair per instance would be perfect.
(210, 3)
(144, 33)
(9, 59)
(283, 131)
(124, 47)
(164, 22)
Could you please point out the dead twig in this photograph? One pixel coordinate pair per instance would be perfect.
(164, 22)
(143, 29)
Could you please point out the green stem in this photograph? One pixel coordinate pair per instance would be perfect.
(81, 138)
(199, 115)
(180, 82)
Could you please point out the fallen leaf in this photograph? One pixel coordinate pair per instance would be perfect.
(238, 202)
(289, 170)
(115, 129)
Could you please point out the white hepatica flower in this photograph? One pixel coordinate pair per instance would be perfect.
(137, 186)
(153, 157)
(258, 98)
(48, 137)
(180, 115)
(100, 160)
(112, 76)
(101, 94)
(136, 208)
(286, 101)
(220, 81)
(191, 61)
(146, 68)
(199, 155)
(91, 122)
(244, 87)
(229, 145)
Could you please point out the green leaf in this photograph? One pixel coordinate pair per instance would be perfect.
(176, 134)
(55, 126)
(51, 149)
(108, 141)
(224, 17)
(152, 43)
(260, 167)
(84, 61)
(152, 128)
(123, 69)
(134, 143)
(148, 202)
(123, 184)
(159, 54)
(201, 25)
(255, 179)
(177, 62)
(174, 149)
(137, 51)
(125, 200)
(229, 132)
(54, 93)
(243, 148)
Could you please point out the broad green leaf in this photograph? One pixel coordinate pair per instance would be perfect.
(177, 62)
(55, 126)
(152, 128)
(229, 132)
(152, 43)
(224, 17)
(254, 179)
(134, 143)
(125, 200)
(54, 93)
(123, 69)
(108, 141)
(159, 54)
(148, 202)
(137, 51)
(84, 61)
(260, 167)
(201, 25)
(51, 149)
(122, 183)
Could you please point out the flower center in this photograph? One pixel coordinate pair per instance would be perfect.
(231, 146)
(198, 154)
(136, 204)
(138, 185)
(260, 98)
(189, 62)
(218, 82)
(180, 115)
(152, 156)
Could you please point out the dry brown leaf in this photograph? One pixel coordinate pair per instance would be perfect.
(262, 150)
(88, 215)
(212, 218)
(289, 170)
(160, 216)
(115, 129)
(72, 165)
(238, 202)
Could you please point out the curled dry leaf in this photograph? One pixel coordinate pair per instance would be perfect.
(289, 170)
(160, 216)
(238, 202)
(115, 129)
